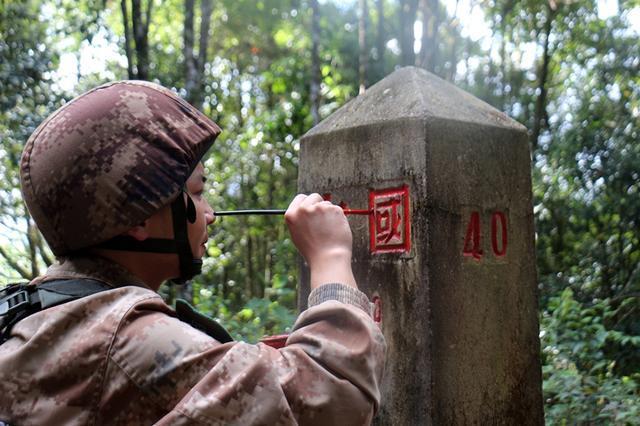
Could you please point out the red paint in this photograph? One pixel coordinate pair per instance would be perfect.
(358, 212)
(473, 238)
(495, 217)
(345, 207)
(389, 220)
(472, 246)
(278, 341)
(377, 309)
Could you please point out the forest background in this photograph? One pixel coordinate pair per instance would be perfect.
(268, 70)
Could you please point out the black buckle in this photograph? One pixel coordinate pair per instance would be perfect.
(14, 302)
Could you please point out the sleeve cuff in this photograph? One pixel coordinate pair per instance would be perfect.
(341, 293)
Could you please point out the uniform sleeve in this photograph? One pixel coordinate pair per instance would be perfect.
(328, 372)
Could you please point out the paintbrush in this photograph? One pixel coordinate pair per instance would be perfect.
(280, 212)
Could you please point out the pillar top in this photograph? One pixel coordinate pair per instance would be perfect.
(412, 93)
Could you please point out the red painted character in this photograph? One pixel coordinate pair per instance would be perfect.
(389, 224)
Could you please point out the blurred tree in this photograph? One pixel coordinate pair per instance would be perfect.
(194, 64)
(431, 16)
(25, 99)
(136, 29)
(381, 41)
(580, 100)
(408, 12)
(314, 89)
(363, 58)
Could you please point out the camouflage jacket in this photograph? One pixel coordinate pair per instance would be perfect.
(122, 357)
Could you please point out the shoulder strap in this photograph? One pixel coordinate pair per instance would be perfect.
(22, 300)
(56, 292)
(187, 313)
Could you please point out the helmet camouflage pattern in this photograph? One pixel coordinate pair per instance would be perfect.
(108, 160)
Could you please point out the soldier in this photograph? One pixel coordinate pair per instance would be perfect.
(114, 181)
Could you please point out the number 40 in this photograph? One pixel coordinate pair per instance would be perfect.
(473, 238)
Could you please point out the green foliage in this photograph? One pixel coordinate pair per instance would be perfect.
(256, 85)
(580, 380)
(257, 318)
(26, 98)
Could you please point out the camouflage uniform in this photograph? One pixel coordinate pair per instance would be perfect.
(121, 357)
(100, 165)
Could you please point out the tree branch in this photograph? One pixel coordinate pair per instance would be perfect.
(15, 265)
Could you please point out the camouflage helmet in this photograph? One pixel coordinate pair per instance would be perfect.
(108, 160)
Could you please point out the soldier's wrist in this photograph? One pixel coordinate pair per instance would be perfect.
(341, 293)
(335, 256)
(332, 272)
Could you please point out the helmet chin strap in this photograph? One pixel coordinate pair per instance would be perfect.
(181, 213)
(189, 267)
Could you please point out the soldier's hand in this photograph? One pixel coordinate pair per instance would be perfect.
(320, 231)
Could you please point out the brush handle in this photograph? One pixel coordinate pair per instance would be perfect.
(280, 212)
(248, 212)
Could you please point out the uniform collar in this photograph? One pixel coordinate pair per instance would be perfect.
(92, 267)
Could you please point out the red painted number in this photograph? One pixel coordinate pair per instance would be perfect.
(473, 237)
(499, 218)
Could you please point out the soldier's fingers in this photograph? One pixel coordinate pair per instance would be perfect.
(295, 203)
(312, 199)
(329, 206)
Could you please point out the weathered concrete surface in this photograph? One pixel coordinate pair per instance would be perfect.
(462, 332)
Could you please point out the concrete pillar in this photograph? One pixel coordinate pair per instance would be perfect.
(448, 248)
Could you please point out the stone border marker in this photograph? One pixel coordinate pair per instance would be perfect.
(447, 251)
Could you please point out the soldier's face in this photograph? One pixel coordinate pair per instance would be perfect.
(198, 234)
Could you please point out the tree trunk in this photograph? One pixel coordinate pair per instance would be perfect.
(380, 41)
(188, 53)
(451, 72)
(206, 9)
(503, 65)
(225, 285)
(251, 284)
(271, 230)
(362, 42)
(408, 10)
(314, 90)
(127, 39)
(504, 70)
(194, 64)
(430, 25)
(261, 284)
(140, 26)
(541, 100)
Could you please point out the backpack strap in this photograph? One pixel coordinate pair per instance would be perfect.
(53, 293)
(187, 313)
(18, 301)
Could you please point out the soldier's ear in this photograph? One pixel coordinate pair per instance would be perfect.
(139, 232)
